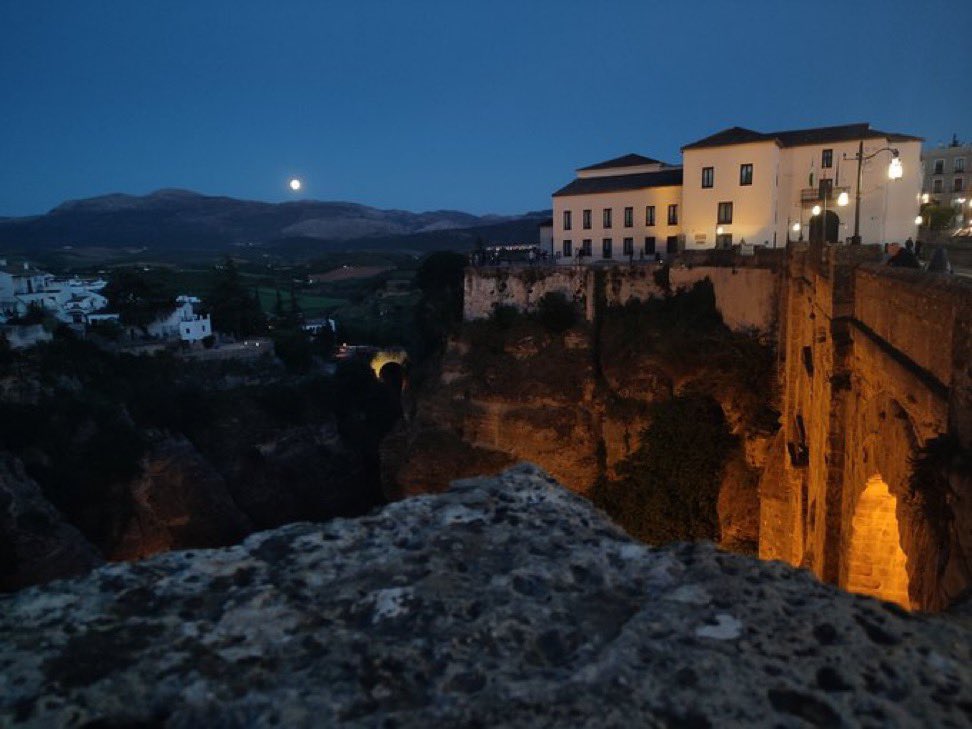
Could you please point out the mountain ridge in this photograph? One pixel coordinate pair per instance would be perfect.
(177, 218)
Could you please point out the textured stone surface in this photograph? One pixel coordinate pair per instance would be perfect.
(505, 601)
(36, 543)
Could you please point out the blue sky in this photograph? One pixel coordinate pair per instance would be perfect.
(422, 105)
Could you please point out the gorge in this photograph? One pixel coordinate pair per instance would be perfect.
(846, 388)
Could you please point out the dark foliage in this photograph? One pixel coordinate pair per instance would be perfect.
(234, 309)
(84, 439)
(504, 316)
(139, 299)
(667, 490)
(439, 311)
(556, 313)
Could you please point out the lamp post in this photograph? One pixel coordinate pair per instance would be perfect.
(895, 171)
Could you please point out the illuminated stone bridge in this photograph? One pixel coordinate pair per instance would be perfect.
(871, 486)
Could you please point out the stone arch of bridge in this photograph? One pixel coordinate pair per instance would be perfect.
(881, 553)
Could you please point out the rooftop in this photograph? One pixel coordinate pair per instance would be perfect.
(799, 137)
(627, 160)
(614, 183)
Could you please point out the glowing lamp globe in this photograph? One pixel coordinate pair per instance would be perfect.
(918, 220)
(720, 230)
(895, 170)
(295, 184)
(815, 210)
(925, 198)
(843, 198)
(796, 227)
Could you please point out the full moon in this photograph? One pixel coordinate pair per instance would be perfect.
(295, 184)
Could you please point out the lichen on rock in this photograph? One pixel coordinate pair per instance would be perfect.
(504, 601)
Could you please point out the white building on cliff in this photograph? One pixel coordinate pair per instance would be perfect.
(741, 186)
(183, 322)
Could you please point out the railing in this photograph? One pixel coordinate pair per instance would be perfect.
(812, 194)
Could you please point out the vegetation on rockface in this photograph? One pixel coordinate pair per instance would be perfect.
(438, 313)
(937, 470)
(667, 490)
(516, 354)
(94, 414)
(555, 313)
(683, 335)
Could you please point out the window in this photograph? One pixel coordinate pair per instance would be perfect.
(724, 240)
(586, 248)
(673, 214)
(650, 245)
(628, 217)
(746, 174)
(566, 219)
(827, 158)
(939, 166)
(187, 330)
(607, 217)
(586, 222)
(958, 165)
(568, 249)
(629, 246)
(936, 185)
(958, 184)
(650, 215)
(606, 247)
(708, 176)
(725, 212)
(671, 244)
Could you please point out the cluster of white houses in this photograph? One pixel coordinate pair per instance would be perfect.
(743, 187)
(79, 302)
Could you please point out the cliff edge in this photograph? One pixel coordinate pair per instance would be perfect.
(504, 601)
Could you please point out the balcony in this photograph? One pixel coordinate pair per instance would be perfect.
(810, 196)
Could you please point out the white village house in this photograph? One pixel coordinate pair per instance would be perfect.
(79, 302)
(744, 187)
(70, 300)
(183, 322)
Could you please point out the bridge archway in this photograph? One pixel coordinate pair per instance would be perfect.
(876, 563)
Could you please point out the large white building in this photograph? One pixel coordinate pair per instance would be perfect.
(744, 187)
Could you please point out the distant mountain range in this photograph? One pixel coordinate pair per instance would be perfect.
(185, 220)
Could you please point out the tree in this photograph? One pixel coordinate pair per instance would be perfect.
(439, 311)
(938, 217)
(233, 309)
(138, 298)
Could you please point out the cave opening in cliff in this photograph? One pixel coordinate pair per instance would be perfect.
(876, 562)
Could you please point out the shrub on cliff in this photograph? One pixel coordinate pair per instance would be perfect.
(439, 310)
(668, 489)
(556, 313)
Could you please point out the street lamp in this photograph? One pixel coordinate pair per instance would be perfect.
(815, 210)
(843, 199)
(895, 171)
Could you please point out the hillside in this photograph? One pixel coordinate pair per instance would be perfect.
(185, 220)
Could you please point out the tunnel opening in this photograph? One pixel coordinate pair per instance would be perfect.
(876, 561)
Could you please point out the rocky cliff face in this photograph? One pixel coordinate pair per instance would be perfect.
(578, 402)
(505, 601)
(36, 543)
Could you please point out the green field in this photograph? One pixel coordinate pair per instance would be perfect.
(311, 304)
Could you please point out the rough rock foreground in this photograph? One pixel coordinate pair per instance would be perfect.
(505, 601)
